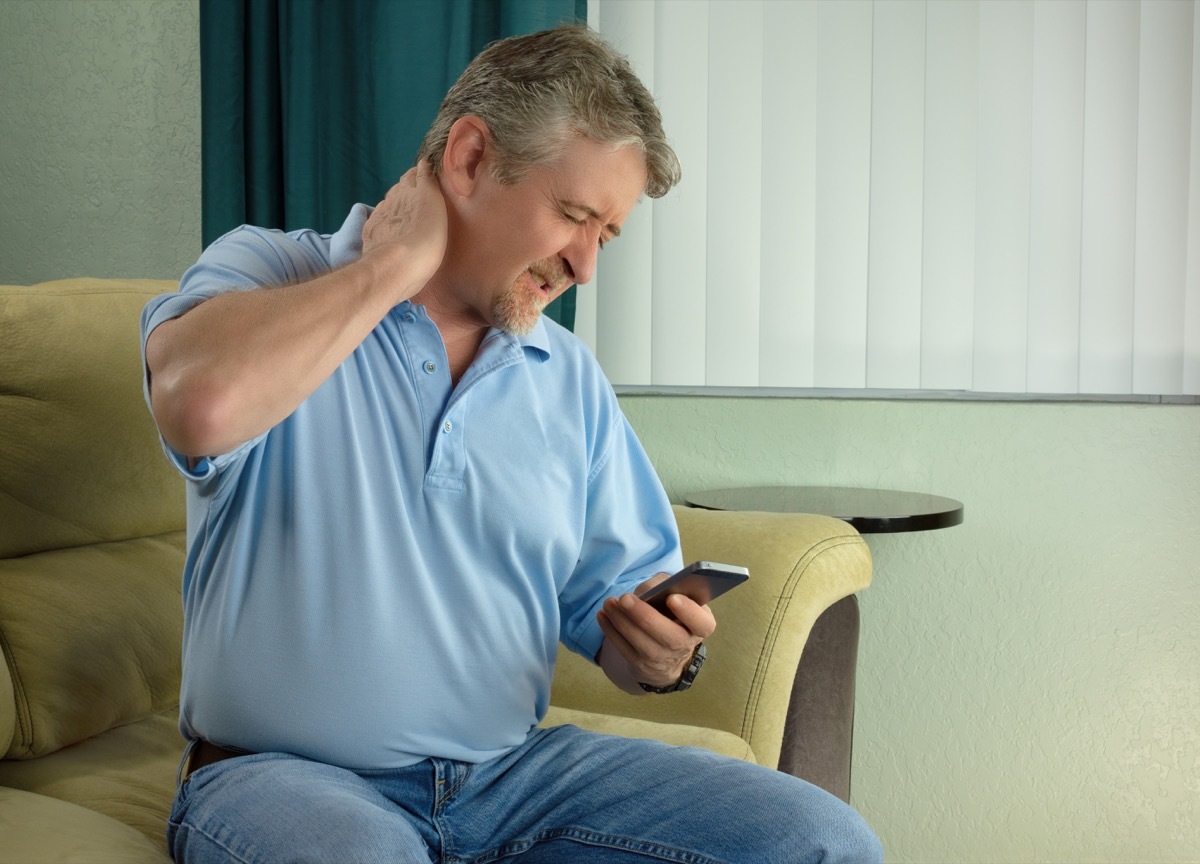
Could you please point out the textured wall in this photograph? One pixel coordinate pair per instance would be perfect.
(100, 141)
(1028, 681)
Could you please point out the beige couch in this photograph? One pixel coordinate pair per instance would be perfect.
(91, 550)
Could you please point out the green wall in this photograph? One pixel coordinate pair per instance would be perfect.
(100, 138)
(1029, 681)
(1028, 685)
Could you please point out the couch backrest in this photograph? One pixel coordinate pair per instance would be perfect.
(91, 518)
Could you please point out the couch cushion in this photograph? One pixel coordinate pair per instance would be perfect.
(127, 774)
(92, 638)
(91, 519)
(80, 460)
(679, 734)
(45, 830)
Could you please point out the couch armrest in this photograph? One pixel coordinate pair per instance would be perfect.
(800, 565)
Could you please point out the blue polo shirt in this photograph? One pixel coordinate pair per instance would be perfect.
(385, 575)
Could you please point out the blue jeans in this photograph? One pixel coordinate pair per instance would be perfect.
(565, 796)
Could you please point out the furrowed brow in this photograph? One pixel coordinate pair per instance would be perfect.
(614, 231)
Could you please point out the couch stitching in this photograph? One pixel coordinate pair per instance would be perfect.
(83, 292)
(773, 628)
(52, 516)
(20, 697)
(158, 536)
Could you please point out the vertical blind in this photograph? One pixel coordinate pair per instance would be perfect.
(970, 195)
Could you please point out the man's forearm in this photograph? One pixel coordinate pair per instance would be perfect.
(237, 364)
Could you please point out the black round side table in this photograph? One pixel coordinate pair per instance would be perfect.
(870, 511)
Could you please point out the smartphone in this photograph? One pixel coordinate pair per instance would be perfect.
(703, 581)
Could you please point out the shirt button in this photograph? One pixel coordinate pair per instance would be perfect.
(430, 367)
(410, 318)
(447, 426)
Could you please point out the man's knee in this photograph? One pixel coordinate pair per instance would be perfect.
(853, 842)
(804, 823)
(837, 832)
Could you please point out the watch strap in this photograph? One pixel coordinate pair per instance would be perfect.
(688, 676)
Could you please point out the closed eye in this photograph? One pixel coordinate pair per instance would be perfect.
(566, 207)
(601, 242)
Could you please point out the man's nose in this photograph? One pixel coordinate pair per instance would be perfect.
(579, 258)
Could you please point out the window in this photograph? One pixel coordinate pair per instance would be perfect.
(999, 196)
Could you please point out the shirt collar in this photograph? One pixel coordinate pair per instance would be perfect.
(345, 245)
(538, 338)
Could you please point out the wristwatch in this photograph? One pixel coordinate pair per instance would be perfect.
(688, 676)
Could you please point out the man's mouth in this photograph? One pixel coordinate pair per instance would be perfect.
(543, 286)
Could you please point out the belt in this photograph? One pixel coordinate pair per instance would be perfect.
(206, 753)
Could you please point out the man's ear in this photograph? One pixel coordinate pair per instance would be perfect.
(466, 153)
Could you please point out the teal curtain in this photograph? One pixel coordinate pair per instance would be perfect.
(309, 106)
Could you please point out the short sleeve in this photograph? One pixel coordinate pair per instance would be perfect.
(629, 536)
(246, 258)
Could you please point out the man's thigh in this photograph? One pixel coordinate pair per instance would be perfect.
(571, 795)
(276, 807)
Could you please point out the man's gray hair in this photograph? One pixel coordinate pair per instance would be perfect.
(535, 92)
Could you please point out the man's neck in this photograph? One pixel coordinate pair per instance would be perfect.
(462, 330)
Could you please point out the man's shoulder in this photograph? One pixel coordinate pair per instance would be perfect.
(270, 249)
(254, 256)
(578, 378)
(573, 357)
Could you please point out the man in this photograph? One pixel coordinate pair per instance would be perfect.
(405, 487)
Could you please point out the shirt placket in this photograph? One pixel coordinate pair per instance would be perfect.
(447, 449)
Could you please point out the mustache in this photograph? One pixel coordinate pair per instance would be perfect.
(550, 274)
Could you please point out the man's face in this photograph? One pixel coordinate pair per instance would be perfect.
(532, 240)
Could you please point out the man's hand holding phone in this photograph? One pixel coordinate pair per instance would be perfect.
(657, 640)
